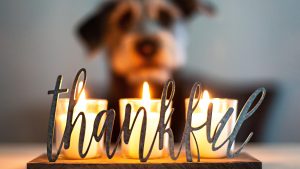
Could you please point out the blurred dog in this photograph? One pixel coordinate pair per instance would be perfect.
(145, 40)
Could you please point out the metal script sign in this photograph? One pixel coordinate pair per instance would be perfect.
(162, 128)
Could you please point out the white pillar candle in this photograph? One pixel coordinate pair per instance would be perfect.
(152, 106)
(199, 116)
(90, 108)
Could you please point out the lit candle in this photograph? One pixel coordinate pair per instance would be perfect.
(199, 116)
(90, 108)
(152, 106)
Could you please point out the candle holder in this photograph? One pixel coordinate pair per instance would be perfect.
(97, 123)
(91, 107)
(131, 150)
(219, 108)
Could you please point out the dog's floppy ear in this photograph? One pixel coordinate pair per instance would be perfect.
(191, 7)
(92, 31)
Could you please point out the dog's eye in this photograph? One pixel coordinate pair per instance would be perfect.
(165, 18)
(126, 20)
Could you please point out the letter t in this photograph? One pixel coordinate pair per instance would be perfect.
(57, 90)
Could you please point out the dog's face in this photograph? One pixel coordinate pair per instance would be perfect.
(145, 44)
(144, 39)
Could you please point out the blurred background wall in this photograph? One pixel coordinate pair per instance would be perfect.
(248, 41)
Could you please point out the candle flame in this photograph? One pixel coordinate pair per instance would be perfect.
(81, 104)
(205, 100)
(82, 95)
(205, 95)
(146, 96)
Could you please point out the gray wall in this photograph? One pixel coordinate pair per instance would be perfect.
(37, 43)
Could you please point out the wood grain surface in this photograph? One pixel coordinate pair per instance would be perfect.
(244, 161)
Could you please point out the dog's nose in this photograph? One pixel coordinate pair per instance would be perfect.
(147, 47)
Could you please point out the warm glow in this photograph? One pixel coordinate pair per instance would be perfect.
(219, 107)
(82, 95)
(205, 100)
(146, 96)
(152, 107)
(205, 96)
(81, 104)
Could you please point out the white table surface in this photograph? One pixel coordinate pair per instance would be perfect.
(273, 156)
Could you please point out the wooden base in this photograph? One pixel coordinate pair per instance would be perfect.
(244, 161)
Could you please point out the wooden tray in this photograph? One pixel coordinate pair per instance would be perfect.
(244, 161)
